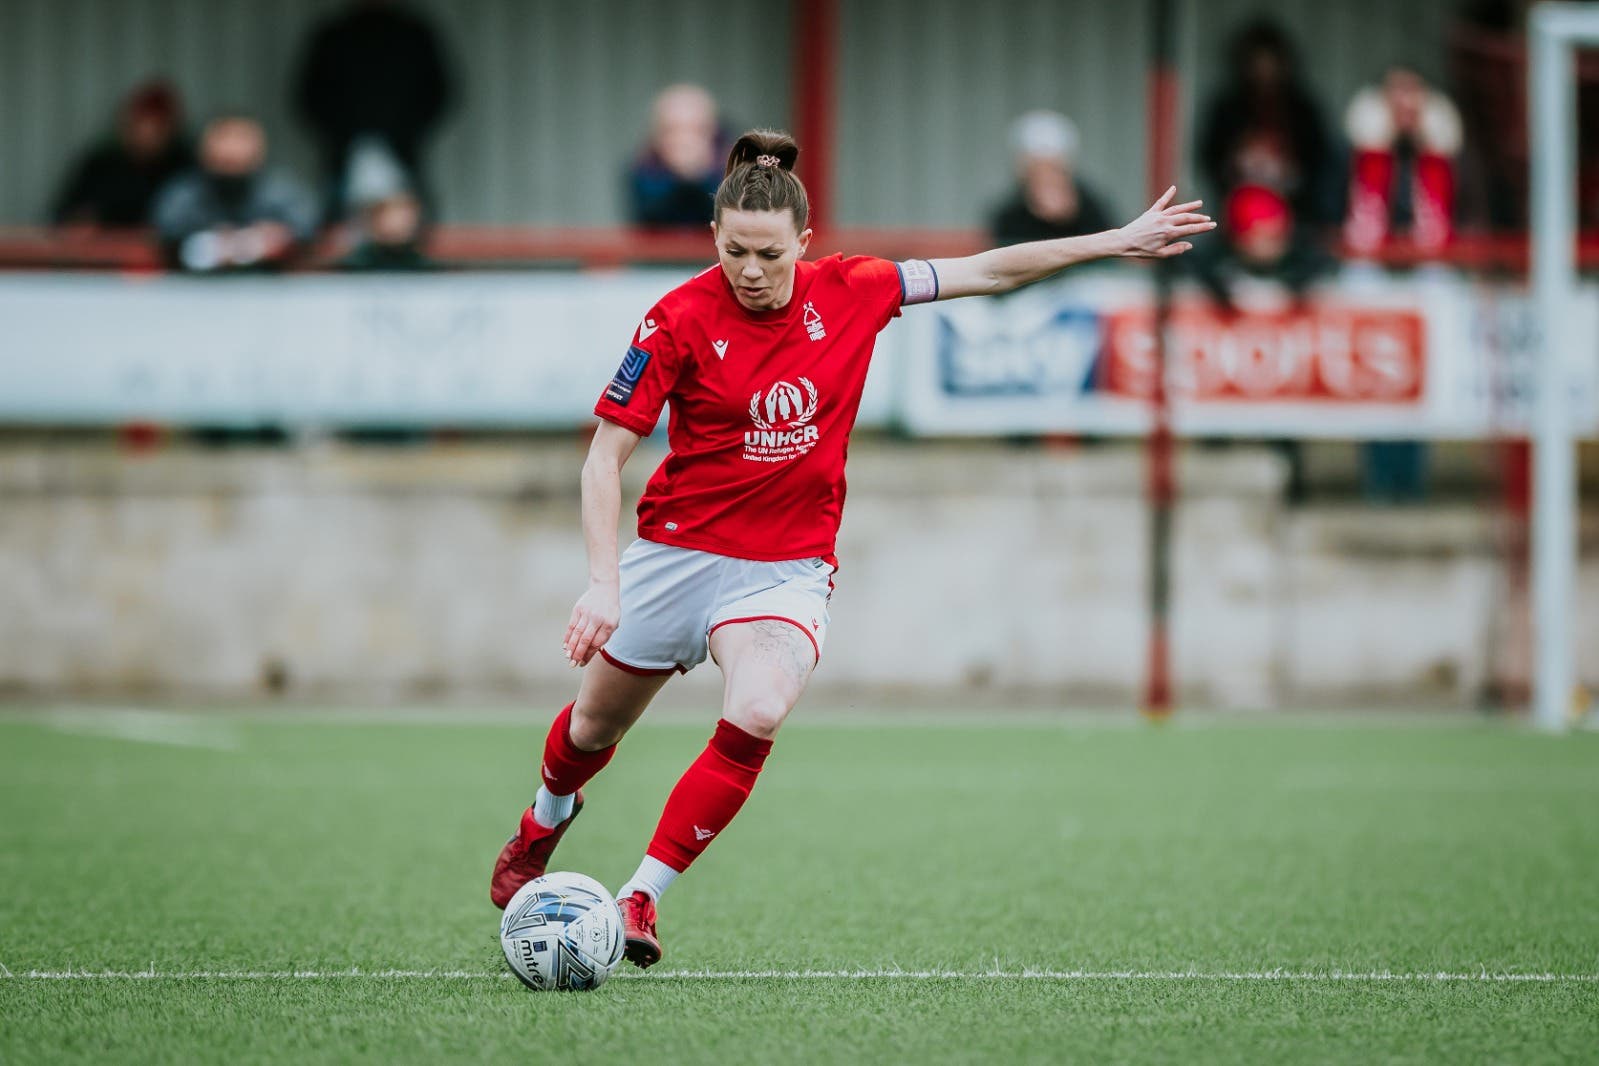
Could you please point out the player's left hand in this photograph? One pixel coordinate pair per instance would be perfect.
(594, 619)
(1158, 233)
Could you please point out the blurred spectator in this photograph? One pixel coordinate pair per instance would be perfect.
(1259, 239)
(1405, 138)
(376, 70)
(673, 180)
(387, 225)
(1264, 128)
(116, 183)
(391, 236)
(387, 222)
(1049, 200)
(233, 212)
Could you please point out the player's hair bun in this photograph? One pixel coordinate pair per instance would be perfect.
(756, 144)
(760, 177)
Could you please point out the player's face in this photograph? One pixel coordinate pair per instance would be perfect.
(758, 250)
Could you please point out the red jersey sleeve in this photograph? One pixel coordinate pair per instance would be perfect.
(886, 286)
(649, 371)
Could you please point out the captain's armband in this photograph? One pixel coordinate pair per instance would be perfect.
(918, 282)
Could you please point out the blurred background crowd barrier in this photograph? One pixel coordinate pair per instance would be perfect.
(305, 308)
(1439, 357)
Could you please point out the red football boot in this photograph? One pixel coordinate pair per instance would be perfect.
(638, 923)
(526, 855)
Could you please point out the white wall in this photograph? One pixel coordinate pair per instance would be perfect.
(966, 569)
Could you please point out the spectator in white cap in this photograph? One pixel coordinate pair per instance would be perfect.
(386, 227)
(1049, 200)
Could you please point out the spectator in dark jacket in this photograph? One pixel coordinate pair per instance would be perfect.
(233, 212)
(673, 180)
(1050, 200)
(116, 183)
(377, 70)
(1264, 128)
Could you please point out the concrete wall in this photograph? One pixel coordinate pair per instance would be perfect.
(398, 573)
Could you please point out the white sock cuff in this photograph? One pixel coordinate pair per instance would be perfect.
(653, 877)
(550, 810)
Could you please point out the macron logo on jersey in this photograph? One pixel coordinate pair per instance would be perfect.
(620, 390)
(721, 349)
(645, 328)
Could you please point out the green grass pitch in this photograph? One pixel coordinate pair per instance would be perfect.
(1219, 890)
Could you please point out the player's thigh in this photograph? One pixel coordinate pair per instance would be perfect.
(766, 664)
(609, 701)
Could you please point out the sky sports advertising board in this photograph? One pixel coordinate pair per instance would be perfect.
(1434, 356)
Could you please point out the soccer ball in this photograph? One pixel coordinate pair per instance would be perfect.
(562, 931)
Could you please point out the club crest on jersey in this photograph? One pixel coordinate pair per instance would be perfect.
(782, 415)
(813, 322)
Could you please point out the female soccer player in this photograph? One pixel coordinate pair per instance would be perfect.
(763, 358)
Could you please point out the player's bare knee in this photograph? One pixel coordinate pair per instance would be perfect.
(598, 723)
(758, 714)
(593, 729)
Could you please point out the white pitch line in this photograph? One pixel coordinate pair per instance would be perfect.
(256, 975)
(1329, 976)
(1117, 975)
(142, 725)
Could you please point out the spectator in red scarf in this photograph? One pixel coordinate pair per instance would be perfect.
(1405, 137)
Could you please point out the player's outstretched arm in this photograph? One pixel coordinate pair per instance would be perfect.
(599, 609)
(1159, 233)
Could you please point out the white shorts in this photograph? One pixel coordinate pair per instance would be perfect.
(673, 599)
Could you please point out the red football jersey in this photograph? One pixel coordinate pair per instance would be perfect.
(762, 404)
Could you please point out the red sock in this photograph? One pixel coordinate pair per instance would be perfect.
(708, 795)
(567, 767)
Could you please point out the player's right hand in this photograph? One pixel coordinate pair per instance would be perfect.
(594, 619)
(1159, 232)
